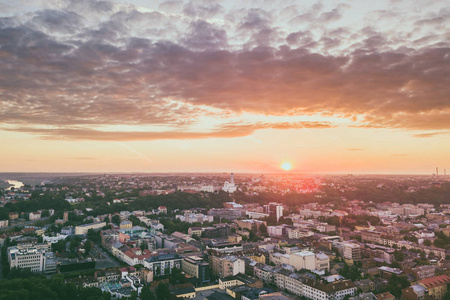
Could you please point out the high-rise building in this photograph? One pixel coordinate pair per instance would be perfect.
(274, 209)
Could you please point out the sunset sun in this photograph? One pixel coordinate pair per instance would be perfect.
(286, 166)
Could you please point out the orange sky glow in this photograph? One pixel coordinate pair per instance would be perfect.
(224, 86)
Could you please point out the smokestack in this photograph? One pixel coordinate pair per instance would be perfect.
(437, 172)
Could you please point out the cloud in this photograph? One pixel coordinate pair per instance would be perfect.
(429, 134)
(231, 130)
(87, 63)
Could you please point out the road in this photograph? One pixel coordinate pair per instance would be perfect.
(102, 259)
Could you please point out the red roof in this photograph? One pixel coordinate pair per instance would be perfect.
(435, 281)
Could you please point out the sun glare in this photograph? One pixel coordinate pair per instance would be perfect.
(286, 166)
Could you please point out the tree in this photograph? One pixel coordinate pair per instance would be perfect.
(177, 276)
(439, 243)
(59, 246)
(94, 236)
(147, 294)
(87, 247)
(162, 291)
(263, 229)
(116, 220)
(398, 255)
(427, 243)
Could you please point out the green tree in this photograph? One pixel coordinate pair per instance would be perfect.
(147, 294)
(116, 220)
(162, 291)
(263, 230)
(94, 236)
(398, 255)
(427, 243)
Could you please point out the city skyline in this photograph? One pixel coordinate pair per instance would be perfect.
(223, 86)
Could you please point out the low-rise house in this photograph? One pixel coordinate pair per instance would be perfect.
(436, 286)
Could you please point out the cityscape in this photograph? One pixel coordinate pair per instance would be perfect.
(224, 150)
(228, 236)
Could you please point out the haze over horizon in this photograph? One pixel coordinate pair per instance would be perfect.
(224, 86)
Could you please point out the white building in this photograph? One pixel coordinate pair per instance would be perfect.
(29, 256)
(83, 229)
(296, 233)
(163, 264)
(275, 230)
(33, 216)
(332, 291)
(229, 187)
(195, 218)
(256, 215)
(274, 209)
(4, 223)
(53, 239)
(303, 260)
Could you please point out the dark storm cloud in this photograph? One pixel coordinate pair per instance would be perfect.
(56, 70)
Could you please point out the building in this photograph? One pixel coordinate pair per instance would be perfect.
(385, 296)
(365, 285)
(194, 218)
(163, 264)
(250, 224)
(197, 231)
(422, 272)
(371, 236)
(352, 251)
(227, 266)
(274, 209)
(255, 215)
(414, 292)
(229, 187)
(185, 290)
(328, 291)
(125, 225)
(33, 216)
(4, 223)
(31, 257)
(436, 286)
(297, 233)
(239, 280)
(196, 267)
(83, 229)
(228, 213)
(162, 210)
(13, 216)
(386, 272)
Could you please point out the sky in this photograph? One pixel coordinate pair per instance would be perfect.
(223, 86)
